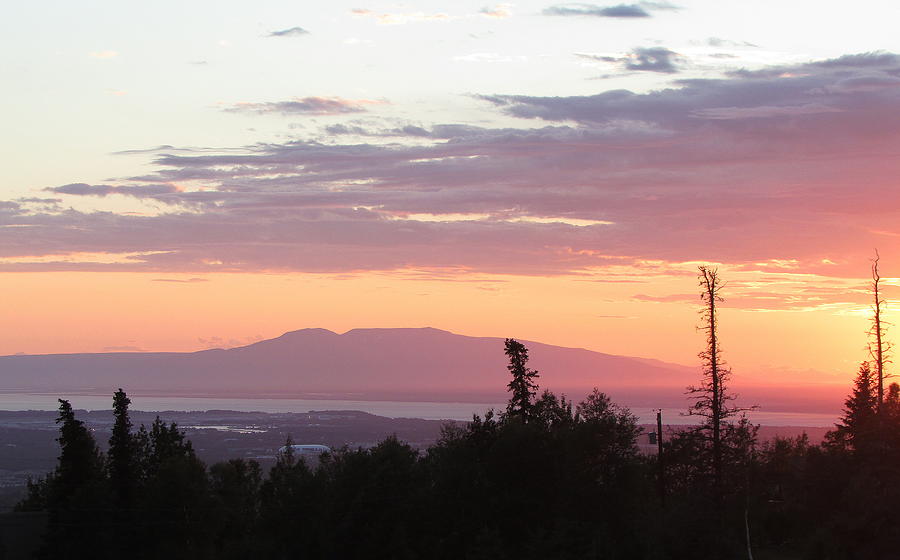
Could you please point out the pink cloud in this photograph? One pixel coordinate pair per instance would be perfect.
(800, 177)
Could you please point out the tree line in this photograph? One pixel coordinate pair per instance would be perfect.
(545, 478)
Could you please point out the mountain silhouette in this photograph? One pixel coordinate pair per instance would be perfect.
(365, 363)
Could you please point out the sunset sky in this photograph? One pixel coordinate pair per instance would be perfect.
(179, 176)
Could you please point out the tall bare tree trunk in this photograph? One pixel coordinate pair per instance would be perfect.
(711, 285)
(879, 352)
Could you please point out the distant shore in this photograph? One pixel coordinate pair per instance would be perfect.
(427, 410)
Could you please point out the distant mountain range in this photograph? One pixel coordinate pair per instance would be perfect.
(389, 364)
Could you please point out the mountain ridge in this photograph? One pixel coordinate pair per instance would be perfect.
(380, 364)
(403, 358)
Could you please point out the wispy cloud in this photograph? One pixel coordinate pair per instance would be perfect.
(181, 281)
(489, 57)
(625, 11)
(306, 106)
(289, 32)
(642, 59)
(652, 59)
(764, 111)
(220, 342)
(500, 11)
(781, 292)
(401, 18)
(719, 42)
(138, 191)
(670, 298)
(36, 200)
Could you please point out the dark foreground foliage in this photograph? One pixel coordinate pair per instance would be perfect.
(546, 478)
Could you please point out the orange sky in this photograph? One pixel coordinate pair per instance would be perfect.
(531, 201)
(95, 312)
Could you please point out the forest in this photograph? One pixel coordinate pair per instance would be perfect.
(544, 478)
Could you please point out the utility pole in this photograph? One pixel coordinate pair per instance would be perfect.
(659, 458)
(747, 507)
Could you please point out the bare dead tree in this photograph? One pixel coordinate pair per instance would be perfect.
(879, 347)
(711, 398)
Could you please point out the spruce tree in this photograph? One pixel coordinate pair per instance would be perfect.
(75, 500)
(891, 407)
(122, 453)
(166, 443)
(858, 421)
(80, 463)
(522, 386)
(176, 490)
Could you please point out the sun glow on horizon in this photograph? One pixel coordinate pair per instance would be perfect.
(93, 311)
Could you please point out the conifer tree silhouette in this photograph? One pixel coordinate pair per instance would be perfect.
(522, 386)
